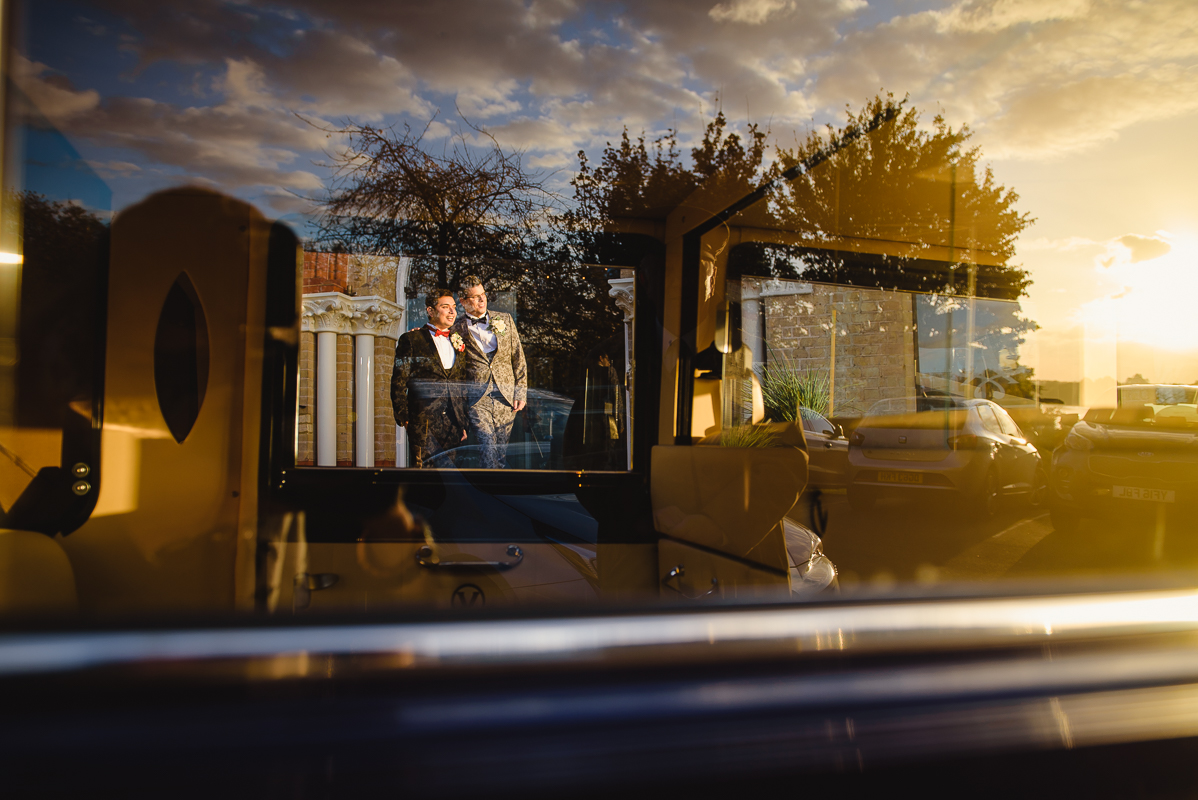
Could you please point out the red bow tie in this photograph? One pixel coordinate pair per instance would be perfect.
(439, 333)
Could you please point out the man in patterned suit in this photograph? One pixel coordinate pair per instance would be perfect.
(427, 393)
(496, 375)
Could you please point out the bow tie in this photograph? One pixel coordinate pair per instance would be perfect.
(480, 321)
(439, 333)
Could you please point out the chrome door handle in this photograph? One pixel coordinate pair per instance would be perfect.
(425, 553)
(678, 572)
(306, 583)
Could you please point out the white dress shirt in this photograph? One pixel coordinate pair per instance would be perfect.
(483, 334)
(444, 349)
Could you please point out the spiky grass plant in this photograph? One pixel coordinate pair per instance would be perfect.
(747, 436)
(786, 387)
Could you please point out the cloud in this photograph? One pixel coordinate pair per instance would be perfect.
(749, 12)
(647, 65)
(1033, 79)
(1068, 244)
(1134, 248)
(246, 140)
(112, 169)
(51, 93)
(995, 15)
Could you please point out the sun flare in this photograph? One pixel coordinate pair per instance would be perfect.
(1155, 305)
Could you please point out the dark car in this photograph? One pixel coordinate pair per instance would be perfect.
(1140, 459)
(942, 449)
(827, 451)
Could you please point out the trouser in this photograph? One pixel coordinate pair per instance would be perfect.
(492, 418)
(431, 433)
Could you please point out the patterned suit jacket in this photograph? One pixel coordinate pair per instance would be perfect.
(507, 370)
(425, 393)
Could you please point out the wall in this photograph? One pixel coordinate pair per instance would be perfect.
(875, 348)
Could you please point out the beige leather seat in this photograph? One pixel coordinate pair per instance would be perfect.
(35, 575)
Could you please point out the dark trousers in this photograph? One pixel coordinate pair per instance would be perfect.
(432, 433)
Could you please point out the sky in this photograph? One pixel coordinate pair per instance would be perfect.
(1085, 108)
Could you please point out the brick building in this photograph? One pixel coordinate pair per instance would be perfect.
(347, 349)
(874, 332)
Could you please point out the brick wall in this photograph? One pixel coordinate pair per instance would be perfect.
(305, 454)
(384, 418)
(345, 400)
(875, 349)
(325, 272)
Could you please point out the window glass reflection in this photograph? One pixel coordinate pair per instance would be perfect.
(531, 388)
(669, 306)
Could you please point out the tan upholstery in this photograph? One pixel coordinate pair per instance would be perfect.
(35, 575)
(730, 499)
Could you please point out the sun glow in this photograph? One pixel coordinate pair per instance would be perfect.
(1155, 305)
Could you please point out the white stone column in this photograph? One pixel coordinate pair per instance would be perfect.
(364, 395)
(623, 292)
(326, 398)
(401, 302)
(750, 320)
(329, 314)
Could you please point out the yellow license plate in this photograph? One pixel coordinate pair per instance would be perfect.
(900, 477)
(1140, 493)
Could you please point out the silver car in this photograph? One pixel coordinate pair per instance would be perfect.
(942, 449)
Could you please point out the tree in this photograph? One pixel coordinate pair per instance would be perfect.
(911, 193)
(884, 202)
(391, 194)
(469, 207)
(647, 182)
(65, 249)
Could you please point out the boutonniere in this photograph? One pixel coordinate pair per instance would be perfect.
(456, 341)
(499, 326)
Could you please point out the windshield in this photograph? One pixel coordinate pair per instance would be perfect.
(358, 308)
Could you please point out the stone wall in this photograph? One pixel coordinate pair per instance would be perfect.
(875, 347)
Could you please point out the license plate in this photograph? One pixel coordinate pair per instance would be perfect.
(1140, 493)
(900, 477)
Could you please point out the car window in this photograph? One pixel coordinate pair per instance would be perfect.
(1006, 423)
(989, 419)
(349, 310)
(526, 388)
(816, 423)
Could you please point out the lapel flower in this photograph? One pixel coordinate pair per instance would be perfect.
(456, 340)
(499, 326)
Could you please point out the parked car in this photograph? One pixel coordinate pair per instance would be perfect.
(828, 452)
(1137, 459)
(942, 449)
(827, 469)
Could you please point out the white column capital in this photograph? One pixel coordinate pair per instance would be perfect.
(622, 291)
(339, 313)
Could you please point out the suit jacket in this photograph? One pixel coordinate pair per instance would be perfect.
(423, 391)
(506, 370)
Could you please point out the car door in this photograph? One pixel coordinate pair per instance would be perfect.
(827, 452)
(1019, 456)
